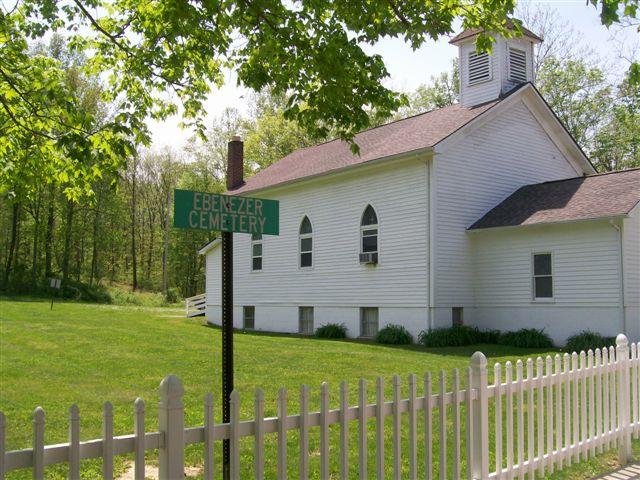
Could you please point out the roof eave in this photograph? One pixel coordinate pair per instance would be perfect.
(472, 229)
(209, 246)
(395, 157)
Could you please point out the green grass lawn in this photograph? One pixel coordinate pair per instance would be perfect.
(88, 354)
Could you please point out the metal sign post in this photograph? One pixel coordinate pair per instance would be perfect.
(227, 213)
(227, 343)
(54, 283)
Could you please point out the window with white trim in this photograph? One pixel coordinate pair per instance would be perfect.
(517, 65)
(306, 243)
(369, 231)
(478, 67)
(256, 252)
(542, 276)
(248, 317)
(305, 320)
(368, 321)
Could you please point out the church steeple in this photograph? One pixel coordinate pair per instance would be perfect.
(486, 77)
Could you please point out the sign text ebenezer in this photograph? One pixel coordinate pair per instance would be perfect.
(225, 213)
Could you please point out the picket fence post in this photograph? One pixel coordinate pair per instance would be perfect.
(480, 454)
(171, 425)
(624, 403)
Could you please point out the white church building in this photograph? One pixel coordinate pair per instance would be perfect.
(484, 213)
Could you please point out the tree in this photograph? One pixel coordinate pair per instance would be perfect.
(310, 50)
(579, 94)
(270, 136)
(48, 130)
(617, 143)
(442, 91)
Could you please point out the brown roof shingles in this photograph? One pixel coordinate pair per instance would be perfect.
(472, 32)
(402, 136)
(583, 198)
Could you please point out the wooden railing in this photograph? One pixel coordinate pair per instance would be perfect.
(196, 305)
(566, 411)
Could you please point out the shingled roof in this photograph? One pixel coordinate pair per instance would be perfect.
(583, 198)
(402, 136)
(472, 32)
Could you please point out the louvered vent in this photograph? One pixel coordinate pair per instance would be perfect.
(517, 65)
(479, 68)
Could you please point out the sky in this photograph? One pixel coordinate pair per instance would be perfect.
(408, 69)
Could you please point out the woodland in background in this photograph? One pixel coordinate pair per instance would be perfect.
(122, 233)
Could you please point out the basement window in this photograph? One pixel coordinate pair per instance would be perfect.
(517, 65)
(248, 318)
(305, 320)
(542, 276)
(456, 316)
(368, 321)
(479, 68)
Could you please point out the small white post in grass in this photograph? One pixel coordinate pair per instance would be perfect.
(622, 354)
(74, 442)
(171, 426)
(38, 443)
(480, 453)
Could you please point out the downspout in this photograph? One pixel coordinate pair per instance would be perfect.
(430, 212)
(623, 316)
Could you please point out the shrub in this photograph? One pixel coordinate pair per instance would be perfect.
(456, 336)
(172, 295)
(394, 335)
(332, 330)
(122, 295)
(526, 338)
(588, 340)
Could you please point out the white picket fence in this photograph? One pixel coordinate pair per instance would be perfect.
(565, 410)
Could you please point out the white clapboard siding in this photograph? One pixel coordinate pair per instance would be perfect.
(631, 270)
(337, 277)
(476, 174)
(574, 408)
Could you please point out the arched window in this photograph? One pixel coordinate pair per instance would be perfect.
(369, 231)
(306, 243)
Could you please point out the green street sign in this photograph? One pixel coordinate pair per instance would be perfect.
(225, 213)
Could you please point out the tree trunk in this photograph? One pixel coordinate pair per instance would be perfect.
(15, 223)
(36, 235)
(150, 250)
(67, 242)
(133, 228)
(48, 240)
(94, 249)
(165, 250)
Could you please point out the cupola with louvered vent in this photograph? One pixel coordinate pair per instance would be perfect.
(486, 77)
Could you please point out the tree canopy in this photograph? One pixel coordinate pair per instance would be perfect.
(312, 51)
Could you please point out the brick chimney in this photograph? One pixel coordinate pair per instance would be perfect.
(235, 163)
